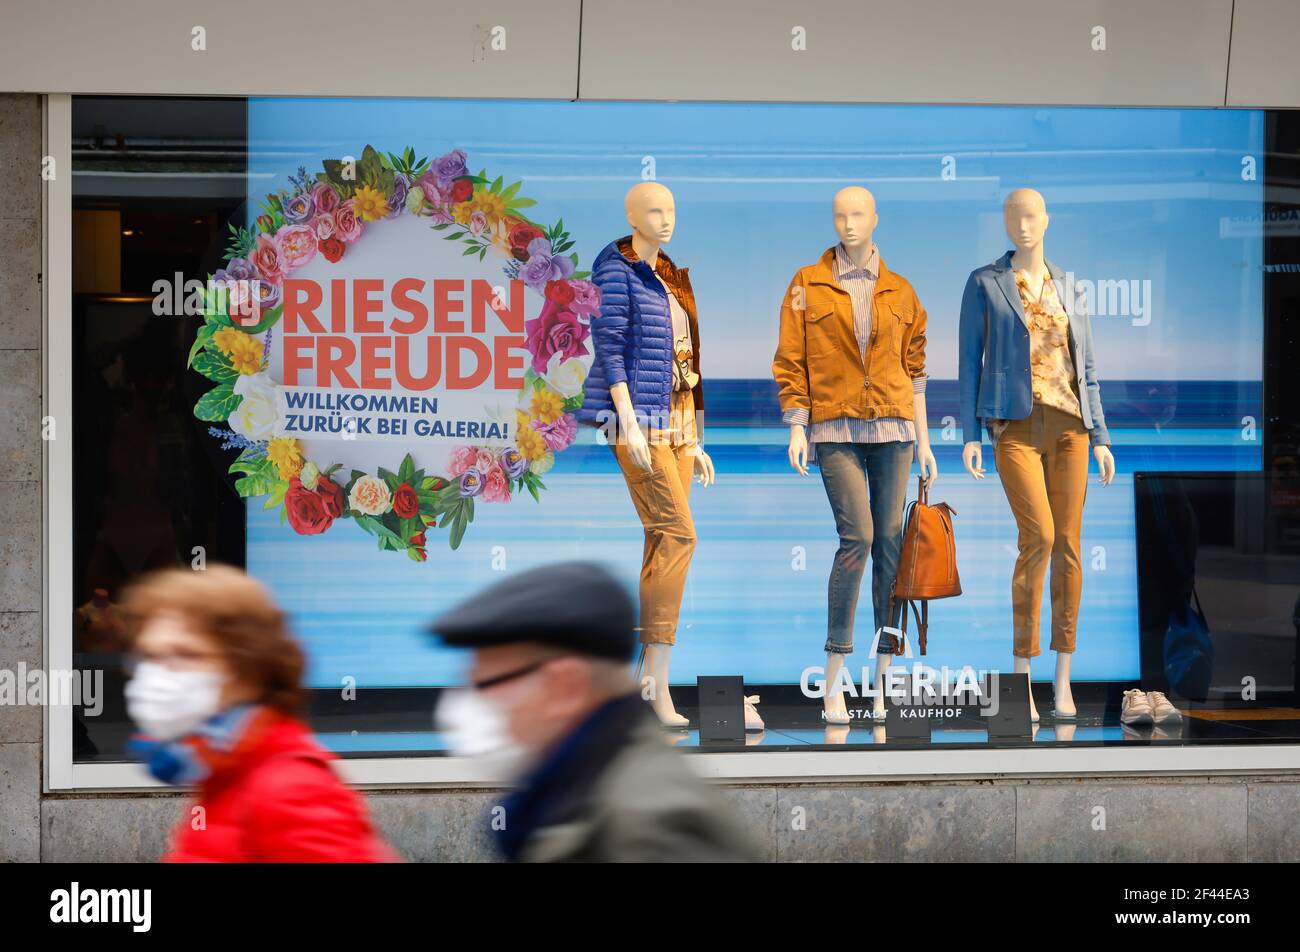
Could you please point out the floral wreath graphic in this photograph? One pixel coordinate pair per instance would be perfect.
(324, 216)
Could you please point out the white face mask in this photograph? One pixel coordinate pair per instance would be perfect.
(167, 704)
(474, 726)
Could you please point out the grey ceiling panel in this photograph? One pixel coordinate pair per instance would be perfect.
(1264, 71)
(431, 48)
(1158, 52)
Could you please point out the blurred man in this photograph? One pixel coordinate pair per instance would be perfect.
(550, 685)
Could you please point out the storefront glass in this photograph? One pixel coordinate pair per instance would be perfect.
(402, 417)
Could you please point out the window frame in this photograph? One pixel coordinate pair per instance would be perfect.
(62, 774)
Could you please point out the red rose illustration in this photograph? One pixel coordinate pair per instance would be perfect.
(332, 249)
(417, 540)
(521, 234)
(405, 502)
(461, 191)
(561, 292)
(306, 509)
(331, 494)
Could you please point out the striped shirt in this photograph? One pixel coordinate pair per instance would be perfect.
(860, 283)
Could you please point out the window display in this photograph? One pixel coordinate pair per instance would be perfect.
(1028, 372)
(401, 358)
(645, 392)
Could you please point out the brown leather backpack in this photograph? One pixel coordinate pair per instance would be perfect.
(927, 567)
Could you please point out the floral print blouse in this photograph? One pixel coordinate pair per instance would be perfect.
(1051, 367)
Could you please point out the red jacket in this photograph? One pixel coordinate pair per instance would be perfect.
(278, 802)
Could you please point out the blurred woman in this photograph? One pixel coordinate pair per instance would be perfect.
(216, 690)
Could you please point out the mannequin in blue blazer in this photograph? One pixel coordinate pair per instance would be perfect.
(1027, 372)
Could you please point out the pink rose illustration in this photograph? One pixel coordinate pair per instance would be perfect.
(555, 331)
(323, 226)
(297, 244)
(462, 459)
(266, 259)
(558, 434)
(485, 460)
(586, 298)
(325, 198)
(428, 183)
(496, 488)
(347, 226)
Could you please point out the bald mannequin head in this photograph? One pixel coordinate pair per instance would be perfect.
(854, 211)
(1025, 215)
(651, 212)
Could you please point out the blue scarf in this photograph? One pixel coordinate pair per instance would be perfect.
(560, 788)
(190, 759)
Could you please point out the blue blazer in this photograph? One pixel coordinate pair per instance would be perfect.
(993, 376)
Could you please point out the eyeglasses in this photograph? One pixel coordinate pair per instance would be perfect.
(496, 679)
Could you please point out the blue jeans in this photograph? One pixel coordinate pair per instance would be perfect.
(866, 484)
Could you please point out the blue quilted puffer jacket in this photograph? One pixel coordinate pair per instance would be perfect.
(633, 334)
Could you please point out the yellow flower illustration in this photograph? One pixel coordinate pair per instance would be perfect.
(547, 406)
(530, 442)
(370, 204)
(226, 339)
(490, 204)
(245, 353)
(286, 454)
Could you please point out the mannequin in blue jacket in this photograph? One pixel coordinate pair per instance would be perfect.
(1027, 372)
(644, 391)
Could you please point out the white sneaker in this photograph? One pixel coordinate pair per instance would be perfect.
(752, 721)
(1162, 711)
(1136, 709)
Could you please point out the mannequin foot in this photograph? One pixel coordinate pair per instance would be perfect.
(836, 711)
(1021, 666)
(1063, 704)
(668, 715)
(833, 706)
(882, 672)
(654, 686)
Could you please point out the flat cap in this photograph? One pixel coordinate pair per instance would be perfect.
(576, 606)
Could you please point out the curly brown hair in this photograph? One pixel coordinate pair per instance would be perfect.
(238, 614)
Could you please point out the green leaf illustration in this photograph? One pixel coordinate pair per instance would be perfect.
(214, 366)
(218, 403)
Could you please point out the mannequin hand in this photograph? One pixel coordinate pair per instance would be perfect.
(703, 467)
(972, 457)
(798, 452)
(636, 444)
(1105, 463)
(929, 468)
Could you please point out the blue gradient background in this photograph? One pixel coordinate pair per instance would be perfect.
(1137, 194)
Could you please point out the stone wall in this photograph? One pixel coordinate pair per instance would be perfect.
(1195, 820)
(20, 467)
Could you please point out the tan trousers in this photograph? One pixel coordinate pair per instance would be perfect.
(661, 496)
(1042, 461)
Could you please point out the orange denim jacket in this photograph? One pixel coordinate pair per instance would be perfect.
(818, 364)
